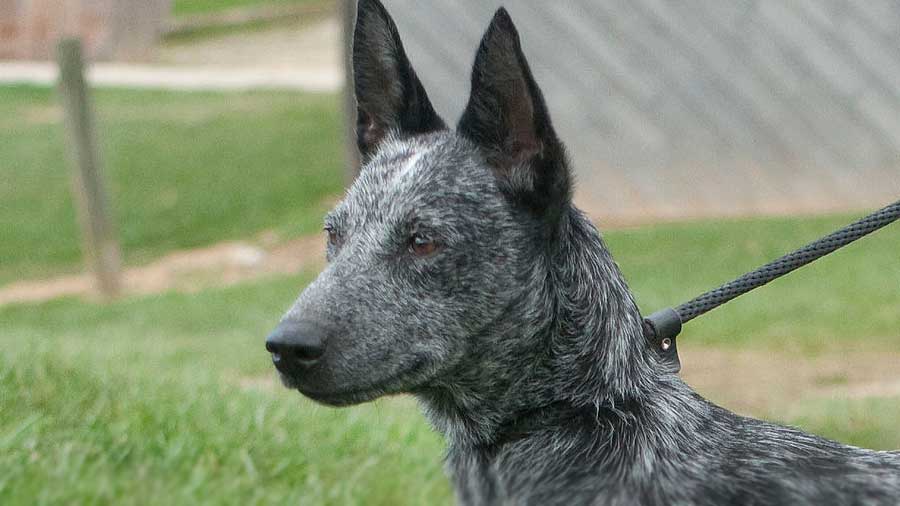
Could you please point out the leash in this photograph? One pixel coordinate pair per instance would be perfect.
(662, 327)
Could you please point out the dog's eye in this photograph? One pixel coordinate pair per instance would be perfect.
(421, 245)
(334, 239)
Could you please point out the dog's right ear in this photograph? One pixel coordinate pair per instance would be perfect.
(390, 98)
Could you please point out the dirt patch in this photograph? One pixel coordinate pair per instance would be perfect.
(767, 384)
(762, 384)
(312, 44)
(187, 271)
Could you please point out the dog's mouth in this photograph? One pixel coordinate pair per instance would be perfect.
(397, 383)
(344, 398)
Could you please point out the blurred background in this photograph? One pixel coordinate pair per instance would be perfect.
(709, 137)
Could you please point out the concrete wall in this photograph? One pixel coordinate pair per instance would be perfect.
(110, 29)
(696, 107)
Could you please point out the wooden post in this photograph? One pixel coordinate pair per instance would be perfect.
(101, 248)
(348, 14)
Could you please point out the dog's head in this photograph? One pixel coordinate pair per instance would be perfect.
(440, 233)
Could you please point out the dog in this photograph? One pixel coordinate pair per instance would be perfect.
(459, 271)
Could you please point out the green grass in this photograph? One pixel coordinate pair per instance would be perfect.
(867, 422)
(159, 401)
(850, 296)
(191, 7)
(163, 399)
(183, 170)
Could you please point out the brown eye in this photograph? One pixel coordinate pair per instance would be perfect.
(333, 238)
(422, 246)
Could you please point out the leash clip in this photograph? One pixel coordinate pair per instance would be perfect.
(661, 330)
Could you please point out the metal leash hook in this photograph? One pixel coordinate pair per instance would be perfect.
(662, 327)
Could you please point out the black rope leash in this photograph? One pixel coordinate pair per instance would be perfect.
(662, 327)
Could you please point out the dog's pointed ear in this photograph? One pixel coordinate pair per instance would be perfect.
(507, 117)
(390, 98)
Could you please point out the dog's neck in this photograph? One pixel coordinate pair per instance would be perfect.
(581, 350)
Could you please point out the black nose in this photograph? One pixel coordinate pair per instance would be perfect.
(296, 344)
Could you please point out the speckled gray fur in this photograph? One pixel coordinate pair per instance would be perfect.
(519, 335)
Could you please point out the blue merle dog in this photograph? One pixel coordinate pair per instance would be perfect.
(460, 272)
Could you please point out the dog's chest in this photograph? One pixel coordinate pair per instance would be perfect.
(517, 477)
(475, 478)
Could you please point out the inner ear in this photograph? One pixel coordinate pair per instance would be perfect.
(507, 118)
(390, 98)
(506, 114)
(368, 131)
(521, 141)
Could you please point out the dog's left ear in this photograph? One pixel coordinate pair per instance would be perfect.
(390, 98)
(507, 117)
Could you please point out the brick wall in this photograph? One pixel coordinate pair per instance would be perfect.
(110, 29)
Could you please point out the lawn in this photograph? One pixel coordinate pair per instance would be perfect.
(191, 7)
(850, 296)
(183, 170)
(169, 399)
